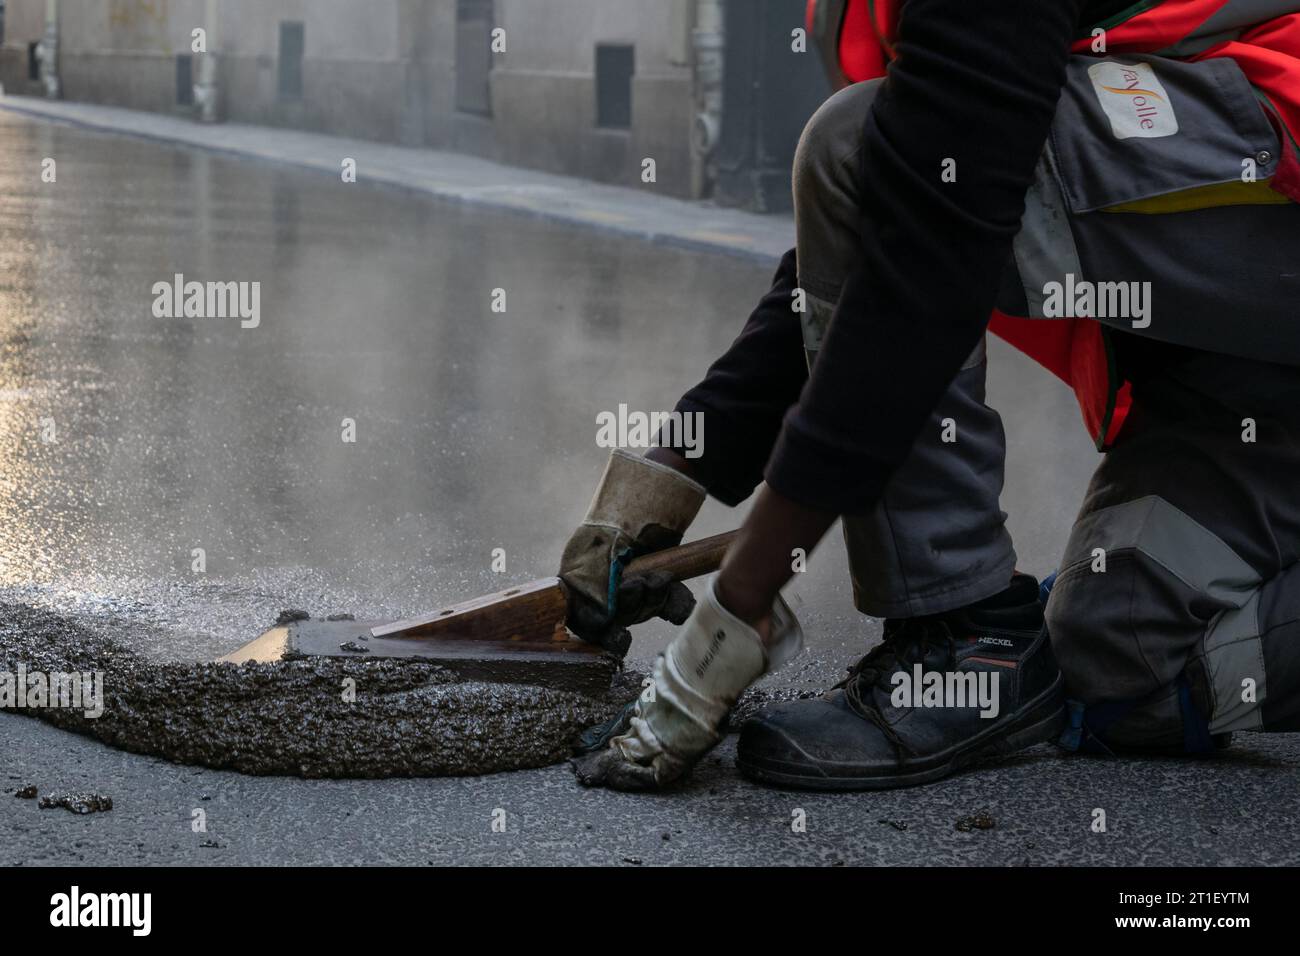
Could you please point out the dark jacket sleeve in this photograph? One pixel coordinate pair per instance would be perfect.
(747, 392)
(975, 81)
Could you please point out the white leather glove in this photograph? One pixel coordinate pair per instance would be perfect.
(678, 719)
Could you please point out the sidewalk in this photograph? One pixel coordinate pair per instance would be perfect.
(453, 177)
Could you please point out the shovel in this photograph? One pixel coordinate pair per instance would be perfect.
(517, 635)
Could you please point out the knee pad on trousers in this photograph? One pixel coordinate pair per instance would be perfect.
(1173, 718)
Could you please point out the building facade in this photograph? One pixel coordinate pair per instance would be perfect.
(588, 88)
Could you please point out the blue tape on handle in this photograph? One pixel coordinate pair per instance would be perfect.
(616, 567)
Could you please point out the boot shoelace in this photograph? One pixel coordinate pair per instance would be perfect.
(872, 671)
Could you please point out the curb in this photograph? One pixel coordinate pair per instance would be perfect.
(662, 237)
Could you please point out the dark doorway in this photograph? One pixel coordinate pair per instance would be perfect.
(770, 92)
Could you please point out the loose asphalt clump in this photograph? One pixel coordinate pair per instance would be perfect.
(82, 803)
(26, 793)
(320, 717)
(979, 820)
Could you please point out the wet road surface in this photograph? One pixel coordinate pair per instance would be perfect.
(475, 429)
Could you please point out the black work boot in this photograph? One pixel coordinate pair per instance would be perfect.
(877, 730)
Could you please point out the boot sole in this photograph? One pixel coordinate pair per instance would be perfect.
(1041, 721)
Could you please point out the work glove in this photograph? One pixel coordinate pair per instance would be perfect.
(640, 506)
(679, 717)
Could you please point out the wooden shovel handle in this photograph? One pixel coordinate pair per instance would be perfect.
(686, 561)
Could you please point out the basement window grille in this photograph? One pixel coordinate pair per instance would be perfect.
(184, 79)
(291, 50)
(474, 22)
(615, 65)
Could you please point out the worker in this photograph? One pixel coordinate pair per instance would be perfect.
(1110, 186)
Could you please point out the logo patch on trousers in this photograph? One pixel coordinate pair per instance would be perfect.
(1134, 99)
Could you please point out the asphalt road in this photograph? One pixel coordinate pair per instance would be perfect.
(1239, 809)
(474, 430)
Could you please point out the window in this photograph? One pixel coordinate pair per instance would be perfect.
(291, 46)
(184, 79)
(474, 21)
(615, 64)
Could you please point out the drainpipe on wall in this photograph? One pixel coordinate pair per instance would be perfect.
(49, 51)
(708, 40)
(206, 90)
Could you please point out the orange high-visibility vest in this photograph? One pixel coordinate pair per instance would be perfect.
(1267, 49)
